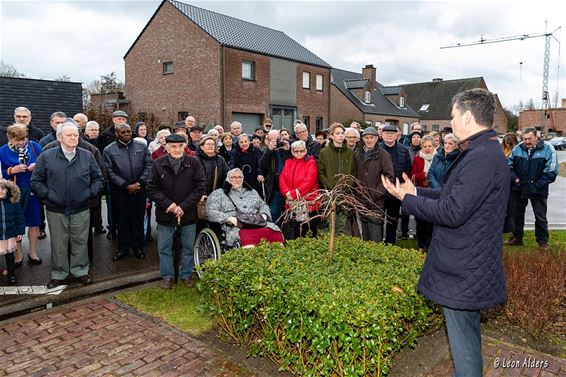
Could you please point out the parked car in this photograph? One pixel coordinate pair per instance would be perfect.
(558, 142)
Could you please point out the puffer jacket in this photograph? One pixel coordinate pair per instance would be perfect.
(463, 269)
(65, 186)
(401, 159)
(335, 160)
(184, 188)
(211, 164)
(536, 171)
(370, 169)
(299, 177)
(127, 164)
(219, 208)
(11, 213)
(440, 165)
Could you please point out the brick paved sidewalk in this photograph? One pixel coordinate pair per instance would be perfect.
(102, 338)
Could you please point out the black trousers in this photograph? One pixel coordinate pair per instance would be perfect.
(391, 207)
(130, 210)
(539, 209)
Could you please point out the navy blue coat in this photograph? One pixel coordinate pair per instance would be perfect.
(11, 214)
(401, 159)
(438, 168)
(536, 171)
(464, 268)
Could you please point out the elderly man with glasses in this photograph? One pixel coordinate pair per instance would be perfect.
(302, 133)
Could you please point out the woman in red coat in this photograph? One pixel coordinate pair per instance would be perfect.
(299, 179)
(419, 173)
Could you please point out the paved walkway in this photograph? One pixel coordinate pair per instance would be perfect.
(102, 338)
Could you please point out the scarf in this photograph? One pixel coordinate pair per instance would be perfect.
(23, 156)
(427, 159)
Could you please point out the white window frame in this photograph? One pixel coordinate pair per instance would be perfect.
(367, 96)
(401, 101)
(306, 80)
(319, 82)
(248, 65)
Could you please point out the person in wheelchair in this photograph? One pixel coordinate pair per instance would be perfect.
(235, 194)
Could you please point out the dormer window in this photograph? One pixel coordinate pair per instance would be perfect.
(367, 96)
(424, 107)
(401, 101)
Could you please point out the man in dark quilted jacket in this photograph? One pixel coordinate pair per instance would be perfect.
(463, 270)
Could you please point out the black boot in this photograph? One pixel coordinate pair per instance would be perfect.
(11, 266)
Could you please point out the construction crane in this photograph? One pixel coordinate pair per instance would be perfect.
(545, 71)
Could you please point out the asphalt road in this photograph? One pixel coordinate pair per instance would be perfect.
(556, 214)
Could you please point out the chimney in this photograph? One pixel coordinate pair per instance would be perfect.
(368, 72)
(563, 102)
(438, 79)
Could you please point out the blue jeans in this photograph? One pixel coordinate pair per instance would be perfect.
(464, 336)
(276, 205)
(165, 246)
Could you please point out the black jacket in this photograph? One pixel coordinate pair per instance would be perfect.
(107, 137)
(210, 164)
(127, 164)
(248, 162)
(184, 188)
(401, 159)
(89, 147)
(66, 186)
(270, 165)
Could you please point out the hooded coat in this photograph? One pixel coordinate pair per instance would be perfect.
(12, 221)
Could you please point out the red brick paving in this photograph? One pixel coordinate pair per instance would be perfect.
(101, 338)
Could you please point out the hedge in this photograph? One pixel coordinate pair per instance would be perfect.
(319, 319)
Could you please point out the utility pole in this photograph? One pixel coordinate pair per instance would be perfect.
(547, 35)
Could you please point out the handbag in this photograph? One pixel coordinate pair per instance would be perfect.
(299, 211)
(248, 220)
(201, 212)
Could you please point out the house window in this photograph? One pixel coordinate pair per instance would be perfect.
(181, 115)
(307, 121)
(401, 101)
(367, 96)
(167, 68)
(319, 82)
(424, 107)
(248, 70)
(436, 127)
(306, 80)
(319, 123)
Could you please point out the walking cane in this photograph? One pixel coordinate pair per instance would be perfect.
(176, 249)
(263, 189)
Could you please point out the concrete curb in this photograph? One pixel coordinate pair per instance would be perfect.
(76, 292)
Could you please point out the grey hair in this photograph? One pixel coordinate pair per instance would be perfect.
(21, 108)
(427, 138)
(82, 116)
(62, 126)
(161, 132)
(92, 123)
(231, 173)
(451, 136)
(58, 114)
(354, 131)
(244, 135)
(235, 124)
(298, 143)
(299, 126)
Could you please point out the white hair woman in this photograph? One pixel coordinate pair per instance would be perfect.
(235, 195)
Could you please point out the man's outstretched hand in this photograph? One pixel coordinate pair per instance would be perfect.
(399, 190)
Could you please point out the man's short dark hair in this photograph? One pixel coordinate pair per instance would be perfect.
(480, 102)
(530, 130)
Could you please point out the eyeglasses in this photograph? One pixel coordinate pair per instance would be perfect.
(236, 177)
(351, 137)
(300, 151)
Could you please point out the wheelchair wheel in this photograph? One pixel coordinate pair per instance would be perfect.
(207, 246)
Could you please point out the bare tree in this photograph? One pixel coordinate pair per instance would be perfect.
(65, 78)
(8, 70)
(347, 194)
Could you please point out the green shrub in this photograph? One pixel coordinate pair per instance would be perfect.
(315, 318)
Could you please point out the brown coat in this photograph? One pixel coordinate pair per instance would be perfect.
(370, 169)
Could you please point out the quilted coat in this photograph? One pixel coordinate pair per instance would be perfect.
(463, 269)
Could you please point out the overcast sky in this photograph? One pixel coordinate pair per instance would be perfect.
(402, 39)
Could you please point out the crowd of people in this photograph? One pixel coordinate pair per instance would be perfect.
(191, 177)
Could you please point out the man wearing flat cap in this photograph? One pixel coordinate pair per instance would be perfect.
(176, 184)
(195, 136)
(401, 164)
(372, 161)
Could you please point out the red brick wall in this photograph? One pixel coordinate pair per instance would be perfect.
(342, 108)
(311, 102)
(195, 84)
(555, 121)
(246, 96)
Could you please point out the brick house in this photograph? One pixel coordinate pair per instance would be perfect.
(555, 120)
(360, 97)
(433, 102)
(191, 61)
